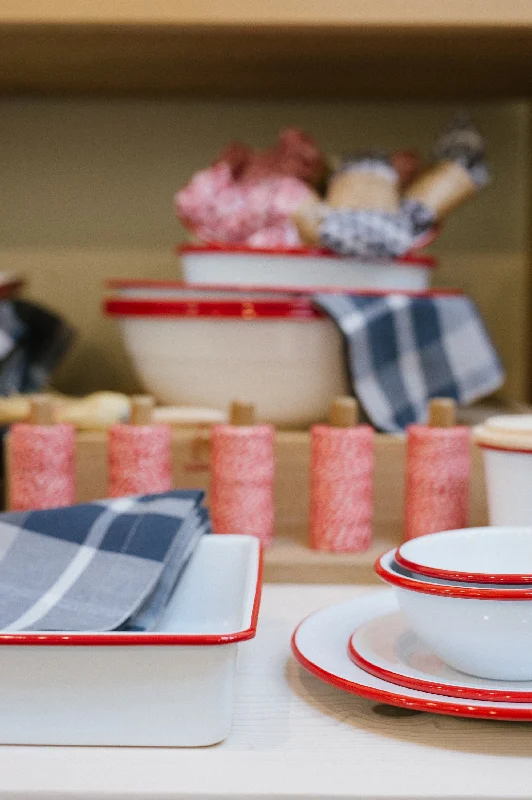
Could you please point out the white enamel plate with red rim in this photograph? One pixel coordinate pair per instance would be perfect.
(320, 645)
(387, 648)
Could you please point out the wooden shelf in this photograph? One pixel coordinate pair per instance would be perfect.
(289, 561)
(339, 49)
(229, 13)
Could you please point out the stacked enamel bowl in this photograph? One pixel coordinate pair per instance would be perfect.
(240, 265)
(467, 594)
(203, 346)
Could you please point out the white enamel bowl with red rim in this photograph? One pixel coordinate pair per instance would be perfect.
(506, 443)
(300, 266)
(482, 630)
(280, 354)
(204, 346)
(494, 555)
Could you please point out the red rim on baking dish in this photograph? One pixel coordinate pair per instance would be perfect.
(149, 639)
(446, 590)
(457, 575)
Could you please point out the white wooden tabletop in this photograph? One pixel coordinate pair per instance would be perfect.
(292, 737)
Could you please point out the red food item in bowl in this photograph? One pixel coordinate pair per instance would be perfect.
(295, 154)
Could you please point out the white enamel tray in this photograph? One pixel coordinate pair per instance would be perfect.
(170, 687)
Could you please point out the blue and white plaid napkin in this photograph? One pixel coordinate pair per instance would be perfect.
(101, 566)
(402, 350)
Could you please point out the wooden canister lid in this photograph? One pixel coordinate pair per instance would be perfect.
(506, 431)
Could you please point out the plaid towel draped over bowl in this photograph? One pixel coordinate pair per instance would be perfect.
(101, 566)
(403, 350)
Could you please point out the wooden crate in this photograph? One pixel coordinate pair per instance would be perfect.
(290, 559)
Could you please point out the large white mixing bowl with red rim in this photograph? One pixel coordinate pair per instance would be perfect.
(207, 345)
(281, 354)
(301, 266)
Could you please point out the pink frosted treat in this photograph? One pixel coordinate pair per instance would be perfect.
(438, 468)
(217, 208)
(341, 477)
(248, 197)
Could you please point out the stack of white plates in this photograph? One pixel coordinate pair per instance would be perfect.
(454, 637)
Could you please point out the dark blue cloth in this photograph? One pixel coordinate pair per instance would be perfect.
(403, 350)
(107, 565)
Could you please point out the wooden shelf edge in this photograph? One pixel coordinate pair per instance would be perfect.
(229, 13)
(358, 59)
(288, 561)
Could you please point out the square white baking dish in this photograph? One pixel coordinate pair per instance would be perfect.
(165, 688)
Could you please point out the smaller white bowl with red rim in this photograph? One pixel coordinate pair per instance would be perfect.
(492, 555)
(506, 443)
(302, 266)
(480, 629)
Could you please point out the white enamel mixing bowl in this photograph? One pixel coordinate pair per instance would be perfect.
(481, 630)
(279, 353)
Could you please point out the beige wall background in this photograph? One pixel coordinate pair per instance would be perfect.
(86, 190)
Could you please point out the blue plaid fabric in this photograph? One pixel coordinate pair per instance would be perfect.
(401, 351)
(107, 565)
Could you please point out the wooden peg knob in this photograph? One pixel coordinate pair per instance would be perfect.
(442, 412)
(141, 410)
(242, 413)
(343, 412)
(42, 410)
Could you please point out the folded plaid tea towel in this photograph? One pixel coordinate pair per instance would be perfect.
(102, 566)
(403, 350)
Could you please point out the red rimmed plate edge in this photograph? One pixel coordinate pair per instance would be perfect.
(121, 639)
(466, 577)
(464, 592)
(432, 687)
(446, 708)
(411, 259)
